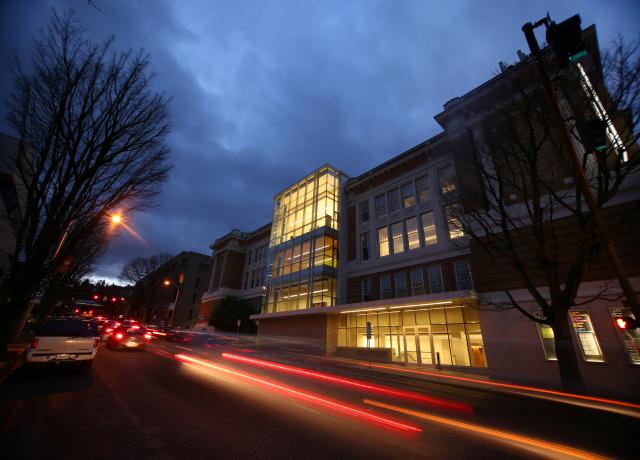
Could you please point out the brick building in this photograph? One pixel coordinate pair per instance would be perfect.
(377, 265)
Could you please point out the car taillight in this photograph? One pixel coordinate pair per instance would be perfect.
(34, 343)
(109, 329)
(96, 341)
(135, 327)
(147, 336)
(119, 335)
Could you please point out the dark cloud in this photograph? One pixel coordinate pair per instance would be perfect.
(265, 91)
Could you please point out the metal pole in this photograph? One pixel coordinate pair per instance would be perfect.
(578, 172)
(175, 304)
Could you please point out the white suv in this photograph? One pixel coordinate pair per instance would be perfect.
(64, 340)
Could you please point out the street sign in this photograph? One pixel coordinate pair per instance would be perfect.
(368, 331)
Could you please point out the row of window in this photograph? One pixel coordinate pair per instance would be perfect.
(407, 195)
(587, 339)
(416, 281)
(257, 254)
(254, 278)
(401, 236)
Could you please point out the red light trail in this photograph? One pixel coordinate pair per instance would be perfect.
(306, 396)
(349, 382)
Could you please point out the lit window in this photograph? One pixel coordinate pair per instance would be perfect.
(394, 200)
(364, 245)
(385, 286)
(463, 274)
(428, 228)
(583, 329)
(630, 337)
(381, 205)
(422, 186)
(398, 239)
(401, 284)
(383, 241)
(366, 289)
(417, 282)
(446, 180)
(364, 212)
(413, 239)
(453, 223)
(408, 195)
(435, 279)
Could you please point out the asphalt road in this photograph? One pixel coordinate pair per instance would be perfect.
(189, 401)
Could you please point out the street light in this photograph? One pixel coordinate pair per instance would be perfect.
(167, 282)
(116, 218)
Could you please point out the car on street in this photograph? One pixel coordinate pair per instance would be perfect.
(65, 340)
(134, 337)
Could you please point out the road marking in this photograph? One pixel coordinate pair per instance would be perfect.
(517, 439)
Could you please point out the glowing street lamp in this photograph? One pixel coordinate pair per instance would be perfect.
(116, 218)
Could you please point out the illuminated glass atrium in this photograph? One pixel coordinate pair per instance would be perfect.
(303, 250)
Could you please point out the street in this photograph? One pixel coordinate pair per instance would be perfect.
(225, 399)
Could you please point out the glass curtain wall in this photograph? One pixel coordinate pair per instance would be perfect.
(303, 259)
(453, 330)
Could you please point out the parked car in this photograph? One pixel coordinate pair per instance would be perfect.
(128, 337)
(65, 340)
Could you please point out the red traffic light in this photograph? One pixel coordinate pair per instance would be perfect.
(113, 299)
(96, 296)
(626, 322)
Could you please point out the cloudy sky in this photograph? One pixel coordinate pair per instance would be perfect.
(266, 91)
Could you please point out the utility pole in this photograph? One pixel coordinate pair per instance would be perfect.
(579, 175)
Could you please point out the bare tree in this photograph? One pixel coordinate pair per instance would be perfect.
(93, 134)
(147, 274)
(522, 204)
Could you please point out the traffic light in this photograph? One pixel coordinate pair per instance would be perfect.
(593, 134)
(565, 40)
(96, 296)
(626, 322)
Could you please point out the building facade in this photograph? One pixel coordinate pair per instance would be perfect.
(378, 267)
(185, 282)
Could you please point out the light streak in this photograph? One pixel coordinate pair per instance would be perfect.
(305, 396)
(491, 432)
(510, 386)
(354, 383)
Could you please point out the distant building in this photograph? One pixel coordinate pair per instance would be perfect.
(239, 265)
(188, 275)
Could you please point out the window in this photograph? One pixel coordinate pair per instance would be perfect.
(366, 289)
(453, 223)
(417, 282)
(394, 200)
(397, 238)
(385, 286)
(630, 337)
(463, 274)
(249, 257)
(422, 186)
(428, 228)
(383, 241)
(194, 297)
(197, 282)
(413, 239)
(401, 284)
(583, 329)
(364, 245)
(364, 212)
(190, 314)
(381, 205)
(446, 180)
(408, 195)
(435, 279)
(246, 279)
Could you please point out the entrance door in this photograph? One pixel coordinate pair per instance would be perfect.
(411, 353)
(418, 345)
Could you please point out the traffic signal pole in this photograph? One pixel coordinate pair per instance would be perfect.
(578, 172)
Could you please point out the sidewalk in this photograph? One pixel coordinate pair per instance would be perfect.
(16, 351)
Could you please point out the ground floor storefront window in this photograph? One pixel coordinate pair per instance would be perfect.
(424, 335)
(630, 337)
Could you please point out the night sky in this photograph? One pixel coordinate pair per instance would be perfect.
(266, 91)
